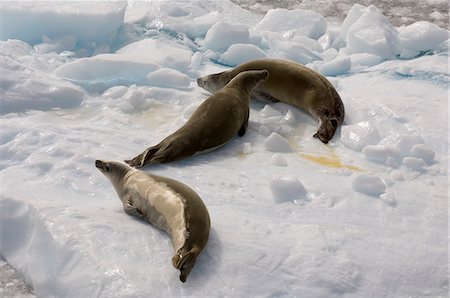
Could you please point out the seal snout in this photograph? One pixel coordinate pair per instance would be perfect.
(200, 82)
(99, 164)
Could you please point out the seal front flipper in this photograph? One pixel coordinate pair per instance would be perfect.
(130, 208)
(243, 129)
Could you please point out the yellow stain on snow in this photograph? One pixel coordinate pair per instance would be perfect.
(332, 161)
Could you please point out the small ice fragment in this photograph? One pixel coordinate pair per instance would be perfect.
(406, 142)
(423, 152)
(241, 53)
(287, 189)
(369, 184)
(279, 160)
(276, 143)
(414, 163)
(380, 153)
(335, 67)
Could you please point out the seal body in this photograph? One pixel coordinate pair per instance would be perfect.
(216, 121)
(293, 84)
(165, 203)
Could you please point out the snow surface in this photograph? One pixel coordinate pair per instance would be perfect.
(363, 216)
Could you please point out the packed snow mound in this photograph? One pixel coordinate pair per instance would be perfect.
(294, 22)
(422, 36)
(241, 53)
(25, 81)
(129, 65)
(222, 35)
(369, 184)
(357, 136)
(367, 30)
(88, 21)
(287, 189)
(276, 143)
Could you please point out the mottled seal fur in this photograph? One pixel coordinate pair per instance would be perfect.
(167, 204)
(216, 121)
(294, 84)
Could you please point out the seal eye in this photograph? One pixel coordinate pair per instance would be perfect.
(107, 168)
(334, 122)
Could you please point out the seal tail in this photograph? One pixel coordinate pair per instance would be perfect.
(145, 158)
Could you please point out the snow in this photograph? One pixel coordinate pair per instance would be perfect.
(365, 215)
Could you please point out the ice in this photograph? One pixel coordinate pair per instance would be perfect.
(367, 30)
(64, 231)
(357, 136)
(422, 36)
(241, 53)
(129, 65)
(335, 67)
(414, 163)
(295, 22)
(167, 77)
(286, 189)
(88, 21)
(276, 143)
(424, 152)
(380, 153)
(369, 184)
(222, 35)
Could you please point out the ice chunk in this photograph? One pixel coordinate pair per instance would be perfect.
(279, 160)
(88, 21)
(335, 67)
(241, 53)
(159, 51)
(423, 152)
(287, 189)
(221, 35)
(166, 77)
(358, 136)
(268, 111)
(101, 72)
(367, 30)
(422, 36)
(380, 153)
(115, 92)
(406, 142)
(129, 65)
(276, 143)
(414, 163)
(369, 184)
(364, 59)
(296, 22)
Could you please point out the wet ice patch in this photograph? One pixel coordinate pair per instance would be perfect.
(276, 143)
(368, 184)
(287, 189)
(359, 135)
(294, 22)
(241, 53)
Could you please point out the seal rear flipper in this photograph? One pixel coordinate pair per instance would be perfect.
(185, 263)
(144, 158)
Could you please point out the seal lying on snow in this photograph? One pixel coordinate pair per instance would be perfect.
(216, 121)
(294, 84)
(167, 204)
